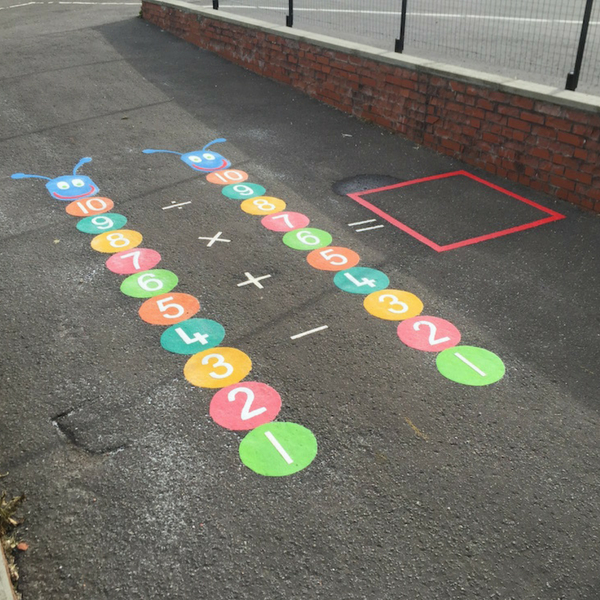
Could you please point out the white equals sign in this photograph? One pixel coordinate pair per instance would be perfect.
(364, 223)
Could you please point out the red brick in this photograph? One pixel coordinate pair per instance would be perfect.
(577, 176)
(563, 183)
(532, 118)
(520, 125)
(556, 123)
(569, 138)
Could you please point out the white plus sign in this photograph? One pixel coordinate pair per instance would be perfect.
(214, 239)
(254, 280)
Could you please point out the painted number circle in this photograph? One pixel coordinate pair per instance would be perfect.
(263, 205)
(149, 283)
(128, 262)
(100, 223)
(333, 258)
(393, 305)
(168, 309)
(430, 334)
(361, 280)
(307, 239)
(226, 177)
(91, 206)
(245, 406)
(285, 221)
(192, 336)
(242, 191)
(217, 367)
(116, 241)
(470, 365)
(278, 449)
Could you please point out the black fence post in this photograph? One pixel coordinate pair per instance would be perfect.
(399, 47)
(215, 4)
(289, 19)
(573, 76)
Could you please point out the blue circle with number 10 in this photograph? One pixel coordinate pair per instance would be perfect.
(361, 280)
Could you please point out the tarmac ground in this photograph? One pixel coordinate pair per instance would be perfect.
(426, 484)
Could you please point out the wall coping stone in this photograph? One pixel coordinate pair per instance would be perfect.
(519, 87)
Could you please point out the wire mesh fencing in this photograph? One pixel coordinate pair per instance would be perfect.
(537, 40)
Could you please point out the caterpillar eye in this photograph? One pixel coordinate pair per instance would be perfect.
(196, 159)
(208, 156)
(78, 182)
(63, 185)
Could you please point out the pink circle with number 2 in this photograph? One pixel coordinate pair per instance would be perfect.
(245, 405)
(430, 334)
(285, 221)
(133, 261)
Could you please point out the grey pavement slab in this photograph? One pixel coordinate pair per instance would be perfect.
(422, 488)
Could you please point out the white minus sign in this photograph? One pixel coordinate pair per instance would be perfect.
(368, 228)
(279, 448)
(299, 335)
(176, 205)
(362, 222)
(468, 362)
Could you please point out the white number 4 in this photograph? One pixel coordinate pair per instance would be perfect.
(363, 281)
(198, 337)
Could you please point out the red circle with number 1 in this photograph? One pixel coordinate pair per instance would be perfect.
(244, 406)
(168, 309)
(333, 258)
(430, 334)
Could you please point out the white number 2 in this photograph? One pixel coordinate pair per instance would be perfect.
(432, 331)
(246, 412)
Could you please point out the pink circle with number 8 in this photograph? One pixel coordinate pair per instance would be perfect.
(285, 221)
(430, 334)
(244, 406)
(129, 262)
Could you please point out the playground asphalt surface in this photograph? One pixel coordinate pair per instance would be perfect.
(422, 488)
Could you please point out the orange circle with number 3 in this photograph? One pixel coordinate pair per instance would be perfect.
(168, 309)
(217, 367)
(333, 258)
(393, 305)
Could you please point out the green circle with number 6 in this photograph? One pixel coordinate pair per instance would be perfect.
(192, 336)
(278, 449)
(149, 283)
(307, 239)
(243, 191)
(470, 365)
(101, 223)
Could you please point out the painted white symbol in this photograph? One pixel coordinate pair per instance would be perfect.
(214, 239)
(254, 280)
(279, 447)
(179, 206)
(299, 335)
(470, 364)
(364, 223)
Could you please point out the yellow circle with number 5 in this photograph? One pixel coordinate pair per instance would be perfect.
(263, 205)
(393, 305)
(117, 240)
(217, 367)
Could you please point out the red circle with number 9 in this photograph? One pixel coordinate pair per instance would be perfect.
(333, 258)
(430, 334)
(168, 309)
(244, 406)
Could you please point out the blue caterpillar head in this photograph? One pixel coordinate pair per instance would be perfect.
(67, 187)
(200, 160)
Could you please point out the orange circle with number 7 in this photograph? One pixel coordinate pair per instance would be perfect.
(168, 309)
(333, 258)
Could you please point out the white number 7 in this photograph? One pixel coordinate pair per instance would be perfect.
(136, 257)
(285, 218)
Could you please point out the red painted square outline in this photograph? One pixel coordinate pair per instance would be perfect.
(554, 216)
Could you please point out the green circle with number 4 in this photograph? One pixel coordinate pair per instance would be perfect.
(192, 336)
(361, 280)
(278, 449)
(307, 239)
(243, 191)
(149, 283)
(470, 365)
(101, 223)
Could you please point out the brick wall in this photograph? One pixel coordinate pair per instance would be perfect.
(548, 146)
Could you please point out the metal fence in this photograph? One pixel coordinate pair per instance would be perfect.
(537, 40)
